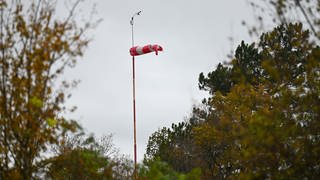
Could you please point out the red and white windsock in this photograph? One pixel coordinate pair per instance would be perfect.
(138, 50)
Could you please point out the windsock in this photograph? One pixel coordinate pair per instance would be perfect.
(138, 50)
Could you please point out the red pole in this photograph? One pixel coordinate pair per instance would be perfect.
(134, 103)
(134, 119)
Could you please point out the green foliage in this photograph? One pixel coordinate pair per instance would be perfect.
(173, 146)
(81, 157)
(261, 120)
(263, 125)
(158, 170)
(218, 80)
(246, 67)
(79, 164)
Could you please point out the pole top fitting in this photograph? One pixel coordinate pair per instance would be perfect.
(135, 14)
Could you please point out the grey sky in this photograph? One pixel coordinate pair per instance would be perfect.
(194, 35)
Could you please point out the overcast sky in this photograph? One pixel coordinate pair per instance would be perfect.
(194, 35)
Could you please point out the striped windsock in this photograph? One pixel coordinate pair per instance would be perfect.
(137, 50)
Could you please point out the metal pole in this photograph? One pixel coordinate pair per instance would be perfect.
(134, 101)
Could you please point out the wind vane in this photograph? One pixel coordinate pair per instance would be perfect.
(136, 51)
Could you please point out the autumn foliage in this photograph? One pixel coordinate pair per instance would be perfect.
(259, 121)
(35, 48)
(262, 117)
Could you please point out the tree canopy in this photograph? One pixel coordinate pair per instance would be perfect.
(262, 117)
(35, 48)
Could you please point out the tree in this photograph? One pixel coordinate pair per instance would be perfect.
(158, 170)
(82, 157)
(173, 146)
(261, 119)
(35, 48)
(265, 126)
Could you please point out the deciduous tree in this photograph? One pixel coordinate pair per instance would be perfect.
(35, 48)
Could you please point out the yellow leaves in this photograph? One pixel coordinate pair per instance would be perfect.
(51, 122)
(36, 102)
